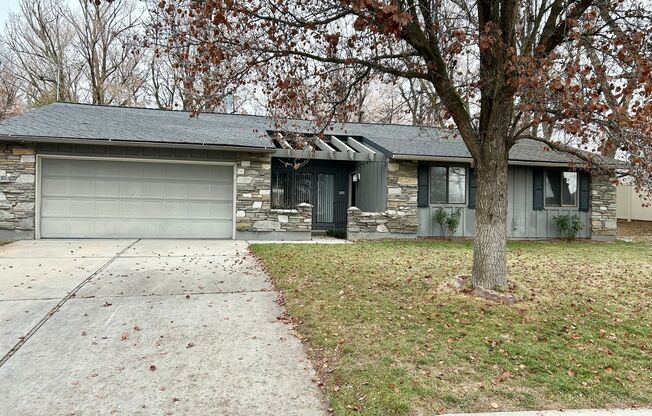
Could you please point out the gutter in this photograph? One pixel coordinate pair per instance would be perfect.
(470, 160)
(132, 143)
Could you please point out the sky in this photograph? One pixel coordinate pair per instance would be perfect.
(6, 7)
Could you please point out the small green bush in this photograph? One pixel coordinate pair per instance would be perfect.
(569, 226)
(440, 216)
(453, 221)
(449, 223)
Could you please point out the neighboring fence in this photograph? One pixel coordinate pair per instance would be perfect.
(630, 205)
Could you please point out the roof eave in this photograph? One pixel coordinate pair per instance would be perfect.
(132, 143)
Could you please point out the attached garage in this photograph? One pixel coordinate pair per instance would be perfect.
(98, 198)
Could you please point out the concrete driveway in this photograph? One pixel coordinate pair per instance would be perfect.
(165, 327)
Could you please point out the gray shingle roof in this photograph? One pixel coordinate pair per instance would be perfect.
(80, 121)
(88, 122)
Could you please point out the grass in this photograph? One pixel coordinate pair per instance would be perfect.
(389, 339)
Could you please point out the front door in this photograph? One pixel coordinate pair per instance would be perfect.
(324, 206)
(328, 191)
(331, 197)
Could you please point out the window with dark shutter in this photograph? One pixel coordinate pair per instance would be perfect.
(561, 188)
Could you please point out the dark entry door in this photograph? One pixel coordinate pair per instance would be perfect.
(324, 207)
(328, 183)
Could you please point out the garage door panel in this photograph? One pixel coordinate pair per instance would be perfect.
(154, 190)
(54, 186)
(130, 209)
(106, 208)
(116, 199)
(220, 190)
(154, 208)
(199, 190)
(58, 167)
(82, 207)
(175, 209)
(105, 187)
(130, 188)
(83, 186)
(221, 211)
(176, 190)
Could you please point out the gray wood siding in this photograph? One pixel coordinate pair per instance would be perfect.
(523, 222)
(371, 195)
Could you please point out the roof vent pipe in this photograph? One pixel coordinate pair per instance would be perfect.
(229, 105)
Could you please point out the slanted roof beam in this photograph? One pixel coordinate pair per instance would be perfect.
(343, 147)
(361, 148)
(323, 146)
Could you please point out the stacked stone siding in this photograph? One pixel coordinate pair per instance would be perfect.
(400, 218)
(17, 191)
(253, 191)
(254, 216)
(293, 220)
(603, 207)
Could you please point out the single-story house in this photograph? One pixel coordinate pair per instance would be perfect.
(82, 171)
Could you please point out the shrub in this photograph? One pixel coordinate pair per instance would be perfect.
(440, 216)
(453, 221)
(449, 223)
(336, 233)
(569, 226)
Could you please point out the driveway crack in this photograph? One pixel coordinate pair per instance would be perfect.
(58, 306)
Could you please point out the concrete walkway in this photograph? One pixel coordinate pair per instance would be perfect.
(580, 412)
(165, 327)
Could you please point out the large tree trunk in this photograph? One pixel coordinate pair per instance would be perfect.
(490, 244)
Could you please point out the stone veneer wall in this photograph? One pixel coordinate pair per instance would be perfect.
(400, 218)
(254, 217)
(17, 191)
(603, 208)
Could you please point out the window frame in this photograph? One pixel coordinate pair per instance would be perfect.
(561, 182)
(293, 178)
(465, 187)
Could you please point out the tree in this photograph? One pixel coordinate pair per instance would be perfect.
(10, 97)
(38, 44)
(503, 70)
(105, 39)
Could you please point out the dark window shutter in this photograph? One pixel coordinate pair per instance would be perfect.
(537, 199)
(473, 186)
(585, 184)
(423, 190)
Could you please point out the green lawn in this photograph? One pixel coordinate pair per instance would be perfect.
(389, 339)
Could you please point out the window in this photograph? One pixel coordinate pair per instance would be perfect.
(447, 185)
(289, 189)
(560, 188)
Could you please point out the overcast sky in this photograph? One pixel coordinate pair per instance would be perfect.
(6, 7)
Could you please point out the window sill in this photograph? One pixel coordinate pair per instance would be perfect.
(569, 207)
(451, 204)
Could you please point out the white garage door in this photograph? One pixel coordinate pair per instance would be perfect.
(116, 199)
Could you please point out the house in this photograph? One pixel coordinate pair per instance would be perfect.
(82, 171)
